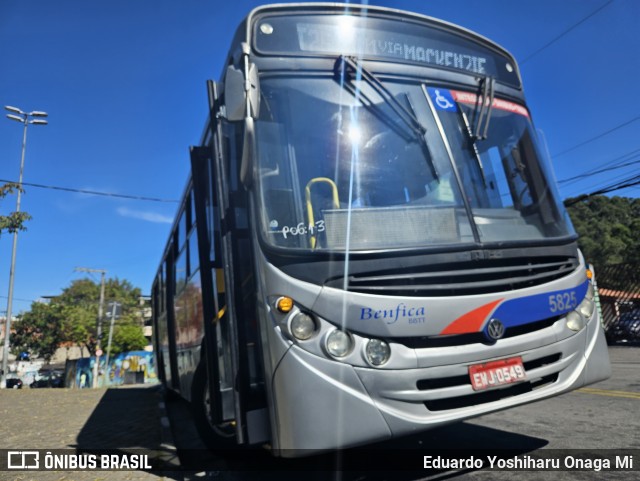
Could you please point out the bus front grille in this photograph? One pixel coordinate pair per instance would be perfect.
(464, 278)
(426, 342)
(456, 402)
(489, 396)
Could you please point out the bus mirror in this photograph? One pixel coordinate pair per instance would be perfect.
(254, 91)
(248, 149)
(238, 92)
(234, 97)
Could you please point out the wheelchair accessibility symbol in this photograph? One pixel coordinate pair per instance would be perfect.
(442, 99)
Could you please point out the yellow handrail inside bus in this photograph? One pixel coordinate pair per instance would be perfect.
(307, 193)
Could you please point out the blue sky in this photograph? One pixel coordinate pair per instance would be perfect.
(124, 85)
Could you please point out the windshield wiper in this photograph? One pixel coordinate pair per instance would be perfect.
(487, 85)
(472, 138)
(407, 116)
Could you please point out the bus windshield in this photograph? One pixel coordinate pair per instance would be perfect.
(506, 180)
(339, 170)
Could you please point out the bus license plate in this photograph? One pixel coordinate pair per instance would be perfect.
(496, 373)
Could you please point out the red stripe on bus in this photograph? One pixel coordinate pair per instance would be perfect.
(471, 321)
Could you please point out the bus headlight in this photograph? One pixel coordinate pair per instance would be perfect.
(302, 326)
(575, 321)
(377, 352)
(338, 343)
(586, 308)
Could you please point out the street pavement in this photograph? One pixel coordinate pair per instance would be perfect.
(602, 418)
(124, 419)
(130, 418)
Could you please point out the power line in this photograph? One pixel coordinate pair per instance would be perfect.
(635, 180)
(629, 182)
(555, 39)
(605, 183)
(93, 192)
(619, 162)
(596, 137)
(18, 299)
(606, 169)
(611, 163)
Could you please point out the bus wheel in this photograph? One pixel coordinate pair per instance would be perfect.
(214, 436)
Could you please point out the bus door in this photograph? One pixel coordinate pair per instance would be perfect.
(228, 296)
(217, 334)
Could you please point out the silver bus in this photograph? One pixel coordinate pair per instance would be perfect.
(370, 243)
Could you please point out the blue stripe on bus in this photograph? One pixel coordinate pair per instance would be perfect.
(516, 312)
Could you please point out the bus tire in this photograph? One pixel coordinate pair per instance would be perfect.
(213, 436)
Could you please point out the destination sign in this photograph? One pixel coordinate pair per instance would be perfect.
(358, 41)
(385, 39)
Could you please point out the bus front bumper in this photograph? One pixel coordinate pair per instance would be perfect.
(324, 405)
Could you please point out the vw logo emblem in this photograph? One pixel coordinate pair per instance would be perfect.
(495, 329)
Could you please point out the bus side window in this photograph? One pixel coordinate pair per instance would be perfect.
(276, 179)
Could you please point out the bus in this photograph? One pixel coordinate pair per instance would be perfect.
(370, 242)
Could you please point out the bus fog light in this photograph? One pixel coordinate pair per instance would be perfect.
(302, 326)
(586, 308)
(377, 352)
(338, 343)
(575, 321)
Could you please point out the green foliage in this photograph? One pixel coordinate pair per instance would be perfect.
(15, 220)
(609, 229)
(72, 318)
(38, 331)
(127, 337)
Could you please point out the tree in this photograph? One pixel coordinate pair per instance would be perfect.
(72, 317)
(127, 337)
(608, 229)
(37, 331)
(14, 221)
(80, 308)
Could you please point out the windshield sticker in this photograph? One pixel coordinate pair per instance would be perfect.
(442, 99)
(447, 100)
(412, 315)
(302, 229)
(472, 99)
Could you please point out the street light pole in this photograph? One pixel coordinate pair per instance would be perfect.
(23, 117)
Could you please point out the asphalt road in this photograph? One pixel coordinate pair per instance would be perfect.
(602, 416)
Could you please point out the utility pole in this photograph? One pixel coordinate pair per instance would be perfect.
(98, 352)
(25, 119)
(115, 308)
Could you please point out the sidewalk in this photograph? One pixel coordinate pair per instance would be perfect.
(120, 418)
